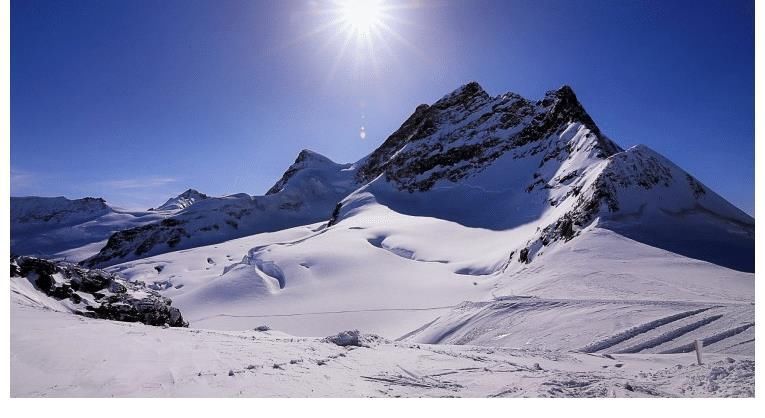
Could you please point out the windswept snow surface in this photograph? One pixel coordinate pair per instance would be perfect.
(390, 274)
(335, 279)
(56, 354)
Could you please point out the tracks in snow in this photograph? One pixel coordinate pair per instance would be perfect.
(603, 326)
(670, 335)
(721, 326)
(635, 331)
(677, 333)
(686, 348)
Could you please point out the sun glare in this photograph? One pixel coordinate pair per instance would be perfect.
(363, 33)
(366, 35)
(361, 15)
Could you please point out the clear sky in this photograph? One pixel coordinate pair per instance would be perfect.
(138, 100)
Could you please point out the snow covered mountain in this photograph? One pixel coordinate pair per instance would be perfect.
(182, 201)
(479, 198)
(512, 225)
(505, 162)
(500, 163)
(308, 192)
(61, 227)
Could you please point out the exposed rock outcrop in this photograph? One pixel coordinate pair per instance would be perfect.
(98, 294)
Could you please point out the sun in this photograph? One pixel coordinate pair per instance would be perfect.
(361, 16)
(367, 35)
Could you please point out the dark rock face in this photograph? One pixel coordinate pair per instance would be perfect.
(417, 125)
(168, 231)
(98, 294)
(335, 215)
(696, 186)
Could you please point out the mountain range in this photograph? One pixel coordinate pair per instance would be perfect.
(507, 204)
(488, 238)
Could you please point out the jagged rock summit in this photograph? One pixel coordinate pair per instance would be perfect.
(467, 129)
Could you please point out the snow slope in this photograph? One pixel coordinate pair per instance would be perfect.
(331, 286)
(390, 273)
(56, 354)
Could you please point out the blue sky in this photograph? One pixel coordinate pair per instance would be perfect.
(137, 100)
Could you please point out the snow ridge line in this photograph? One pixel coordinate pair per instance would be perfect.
(687, 348)
(637, 330)
(669, 336)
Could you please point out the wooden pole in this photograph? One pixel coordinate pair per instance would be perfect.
(699, 344)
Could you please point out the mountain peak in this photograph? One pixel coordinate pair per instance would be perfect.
(306, 158)
(564, 105)
(565, 90)
(467, 129)
(183, 200)
(308, 155)
(462, 95)
(562, 94)
(471, 87)
(192, 193)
